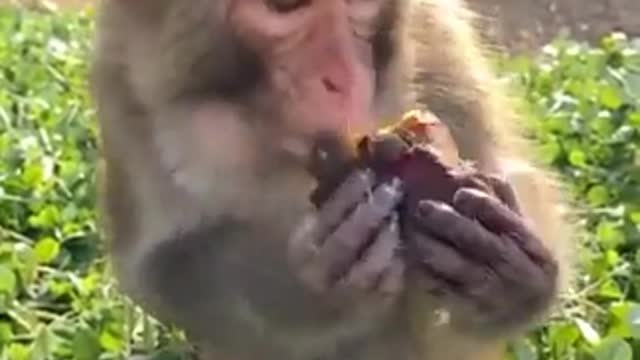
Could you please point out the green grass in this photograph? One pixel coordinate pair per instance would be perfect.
(58, 300)
(586, 120)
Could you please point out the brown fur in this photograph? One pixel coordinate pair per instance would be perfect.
(450, 77)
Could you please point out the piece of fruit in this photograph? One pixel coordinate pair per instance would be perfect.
(417, 149)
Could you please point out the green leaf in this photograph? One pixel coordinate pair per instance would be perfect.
(598, 195)
(612, 257)
(613, 348)
(603, 124)
(564, 336)
(43, 344)
(634, 119)
(8, 280)
(578, 158)
(550, 152)
(609, 234)
(33, 175)
(18, 352)
(587, 331)
(47, 250)
(611, 97)
(609, 289)
(86, 345)
(524, 350)
(110, 339)
(6, 332)
(626, 320)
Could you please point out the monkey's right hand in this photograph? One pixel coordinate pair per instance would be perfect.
(347, 250)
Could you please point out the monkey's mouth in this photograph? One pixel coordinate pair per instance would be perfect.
(313, 121)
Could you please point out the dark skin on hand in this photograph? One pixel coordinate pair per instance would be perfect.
(477, 253)
(460, 231)
(334, 254)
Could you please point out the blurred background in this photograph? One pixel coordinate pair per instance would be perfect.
(528, 24)
(523, 24)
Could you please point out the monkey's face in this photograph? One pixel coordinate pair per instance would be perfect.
(215, 75)
(320, 59)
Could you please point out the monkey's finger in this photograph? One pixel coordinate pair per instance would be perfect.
(309, 235)
(496, 185)
(343, 247)
(392, 280)
(321, 262)
(490, 212)
(506, 264)
(352, 191)
(505, 192)
(468, 236)
(535, 292)
(499, 219)
(448, 274)
(475, 183)
(367, 272)
(303, 244)
(443, 265)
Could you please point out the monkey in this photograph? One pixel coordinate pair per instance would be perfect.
(207, 113)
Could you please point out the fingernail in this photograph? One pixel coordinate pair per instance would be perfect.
(368, 176)
(468, 193)
(500, 177)
(394, 222)
(393, 196)
(394, 189)
(368, 173)
(425, 207)
(397, 184)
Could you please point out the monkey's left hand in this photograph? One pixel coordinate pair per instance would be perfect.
(482, 257)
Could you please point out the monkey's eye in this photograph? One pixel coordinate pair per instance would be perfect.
(286, 6)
